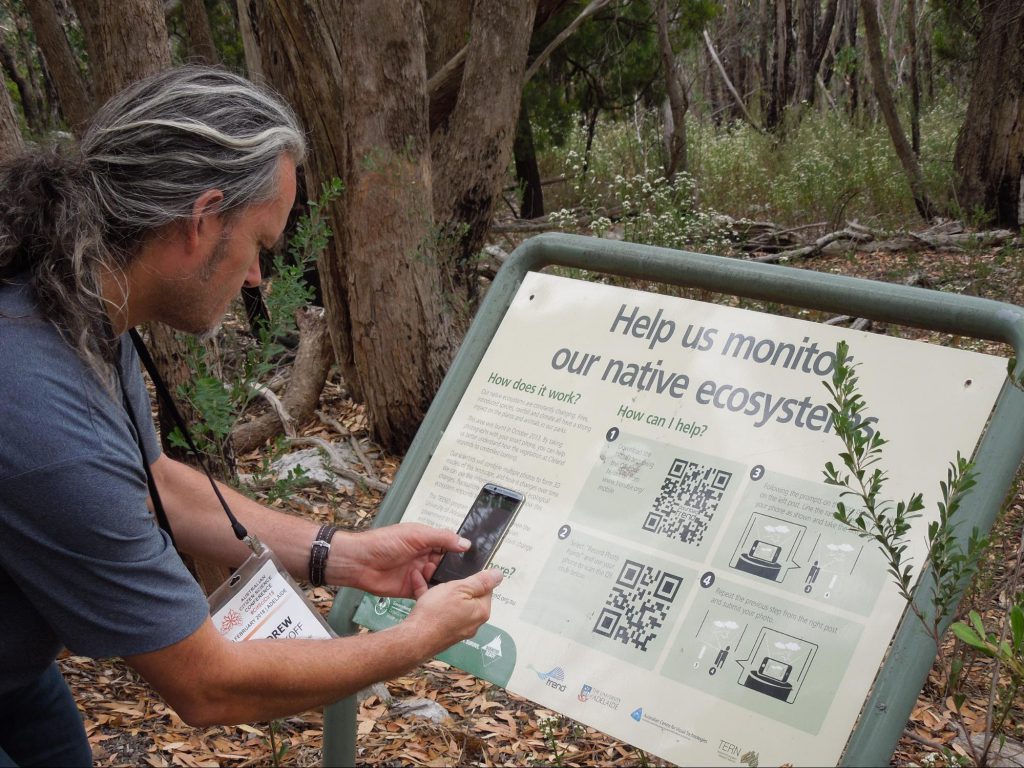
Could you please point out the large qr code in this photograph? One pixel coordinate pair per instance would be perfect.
(688, 500)
(638, 604)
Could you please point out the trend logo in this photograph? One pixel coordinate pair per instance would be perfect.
(555, 674)
(553, 678)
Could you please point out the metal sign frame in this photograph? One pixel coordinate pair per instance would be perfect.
(999, 453)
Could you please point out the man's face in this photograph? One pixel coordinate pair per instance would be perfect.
(232, 259)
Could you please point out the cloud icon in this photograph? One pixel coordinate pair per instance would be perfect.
(839, 548)
(727, 625)
(787, 646)
(776, 529)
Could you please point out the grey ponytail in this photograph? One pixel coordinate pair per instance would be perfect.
(71, 215)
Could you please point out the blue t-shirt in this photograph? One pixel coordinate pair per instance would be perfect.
(83, 563)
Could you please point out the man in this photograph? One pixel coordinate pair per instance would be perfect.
(159, 215)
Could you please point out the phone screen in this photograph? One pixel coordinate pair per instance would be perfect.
(485, 526)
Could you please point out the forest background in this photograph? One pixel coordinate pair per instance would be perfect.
(875, 137)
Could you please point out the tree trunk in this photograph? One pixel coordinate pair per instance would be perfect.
(527, 170)
(201, 47)
(447, 30)
(915, 85)
(763, 45)
(472, 148)
(126, 40)
(679, 104)
(29, 104)
(75, 101)
(883, 93)
(989, 156)
(365, 107)
(10, 131)
(247, 31)
(402, 346)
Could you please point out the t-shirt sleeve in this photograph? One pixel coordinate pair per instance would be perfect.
(85, 550)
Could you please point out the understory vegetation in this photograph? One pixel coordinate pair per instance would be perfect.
(825, 169)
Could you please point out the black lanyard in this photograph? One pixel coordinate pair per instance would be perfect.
(165, 396)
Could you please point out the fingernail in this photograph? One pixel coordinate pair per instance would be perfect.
(465, 543)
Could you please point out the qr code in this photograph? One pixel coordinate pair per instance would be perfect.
(637, 605)
(687, 502)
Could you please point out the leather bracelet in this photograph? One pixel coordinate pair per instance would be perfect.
(318, 553)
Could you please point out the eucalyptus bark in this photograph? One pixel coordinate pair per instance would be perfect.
(125, 40)
(989, 158)
(201, 47)
(76, 103)
(30, 105)
(883, 93)
(365, 108)
(471, 149)
(10, 132)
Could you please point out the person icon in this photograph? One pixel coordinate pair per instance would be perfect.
(812, 576)
(720, 660)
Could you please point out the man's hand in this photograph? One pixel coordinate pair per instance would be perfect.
(393, 561)
(452, 611)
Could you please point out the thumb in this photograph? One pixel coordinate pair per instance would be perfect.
(484, 582)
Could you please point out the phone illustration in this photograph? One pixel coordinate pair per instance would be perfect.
(486, 524)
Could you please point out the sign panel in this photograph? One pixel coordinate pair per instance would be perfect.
(675, 577)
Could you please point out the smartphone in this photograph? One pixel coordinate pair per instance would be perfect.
(486, 523)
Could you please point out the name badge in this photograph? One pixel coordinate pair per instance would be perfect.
(262, 601)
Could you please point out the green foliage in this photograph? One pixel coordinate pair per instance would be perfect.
(221, 401)
(1008, 651)
(825, 169)
(610, 63)
(888, 524)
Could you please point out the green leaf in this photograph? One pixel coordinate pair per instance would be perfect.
(1017, 627)
(968, 636)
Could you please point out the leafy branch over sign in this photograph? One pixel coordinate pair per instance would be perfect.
(863, 509)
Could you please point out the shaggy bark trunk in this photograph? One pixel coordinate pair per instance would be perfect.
(126, 40)
(472, 147)
(10, 132)
(989, 156)
(365, 107)
(75, 100)
(200, 37)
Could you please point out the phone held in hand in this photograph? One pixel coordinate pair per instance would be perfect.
(488, 521)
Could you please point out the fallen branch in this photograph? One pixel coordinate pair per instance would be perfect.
(338, 465)
(816, 247)
(342, 430)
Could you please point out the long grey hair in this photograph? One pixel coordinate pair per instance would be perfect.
(72, 215)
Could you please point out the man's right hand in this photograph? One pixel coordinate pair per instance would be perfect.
(453, 611)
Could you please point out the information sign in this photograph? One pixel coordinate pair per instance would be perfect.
(676, 577)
